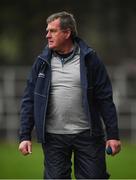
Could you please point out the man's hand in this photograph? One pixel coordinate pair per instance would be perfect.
(25, 147)
(115, 146)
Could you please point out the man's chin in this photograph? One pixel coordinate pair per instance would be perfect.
(51, 47)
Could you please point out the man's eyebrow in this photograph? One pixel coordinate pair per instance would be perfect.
(51, 30)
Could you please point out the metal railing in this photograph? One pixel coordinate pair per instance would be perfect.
(13, 80)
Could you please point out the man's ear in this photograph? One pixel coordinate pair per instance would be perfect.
(68, 34)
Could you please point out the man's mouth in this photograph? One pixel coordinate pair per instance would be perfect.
(50, 42)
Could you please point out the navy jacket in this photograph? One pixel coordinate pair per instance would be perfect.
(97, 95)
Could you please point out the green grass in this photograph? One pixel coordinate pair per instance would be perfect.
(123, 165)
(15, 166)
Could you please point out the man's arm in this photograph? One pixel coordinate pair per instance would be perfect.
(27, 110)
(104, 98)
(27, 119)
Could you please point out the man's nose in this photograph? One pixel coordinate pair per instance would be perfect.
(48, 34)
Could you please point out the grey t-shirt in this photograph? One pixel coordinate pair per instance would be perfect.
(65, 113)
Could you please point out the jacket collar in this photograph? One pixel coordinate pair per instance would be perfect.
(46, 54)
(84, 48)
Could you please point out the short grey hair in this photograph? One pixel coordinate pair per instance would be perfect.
(67, 21)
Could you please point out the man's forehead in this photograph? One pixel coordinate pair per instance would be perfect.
(55, 23)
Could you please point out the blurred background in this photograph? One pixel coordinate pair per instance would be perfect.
(109, 26)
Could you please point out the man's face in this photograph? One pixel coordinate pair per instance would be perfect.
(56, 37)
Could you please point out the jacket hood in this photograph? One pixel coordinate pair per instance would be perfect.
(83, 46)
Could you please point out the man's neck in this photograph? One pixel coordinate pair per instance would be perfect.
(65, 55)
(67, 48)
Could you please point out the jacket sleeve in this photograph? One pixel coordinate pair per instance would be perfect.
(103, 96)
(27, 105)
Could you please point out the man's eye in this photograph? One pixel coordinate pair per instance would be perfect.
(51, 31)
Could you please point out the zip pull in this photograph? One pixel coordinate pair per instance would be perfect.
(62, 62)
(43, 67)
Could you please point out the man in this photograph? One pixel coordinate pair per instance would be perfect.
(68, 92)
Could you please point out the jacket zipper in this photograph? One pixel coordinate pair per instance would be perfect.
(45, 112)
(88, 110)
(43, 136)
